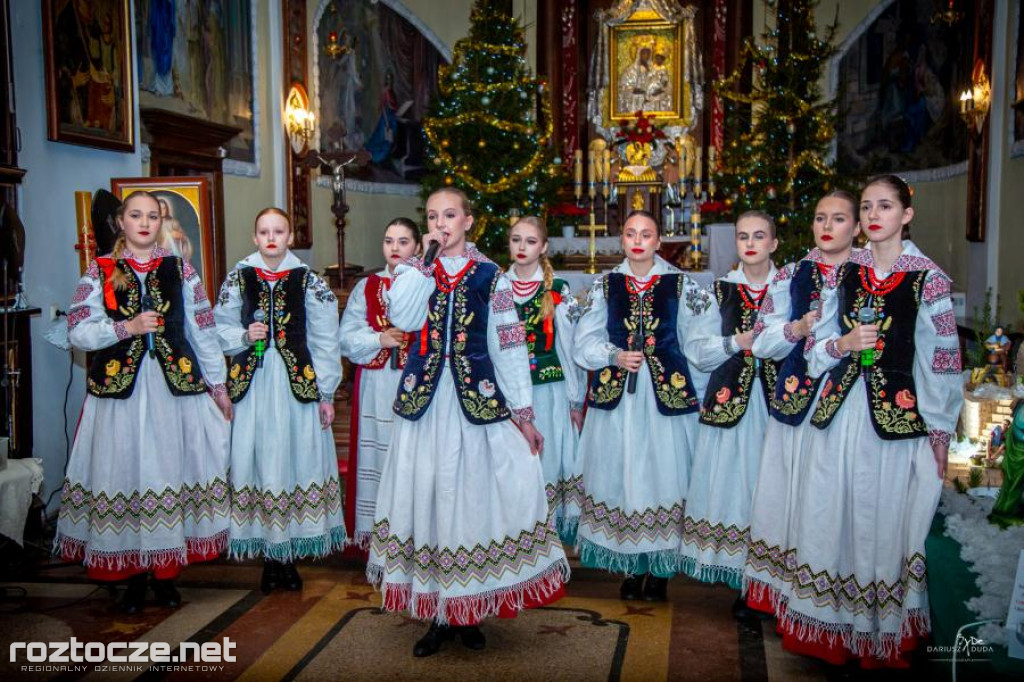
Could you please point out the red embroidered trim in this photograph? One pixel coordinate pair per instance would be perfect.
(824, 268)
(634, 287)
(878, 287)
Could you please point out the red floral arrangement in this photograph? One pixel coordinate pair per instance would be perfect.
(642, 130)
(711, 210)
(568, 212)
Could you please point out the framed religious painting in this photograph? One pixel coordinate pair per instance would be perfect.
(186, 227)
(88, 69)
(645, 70)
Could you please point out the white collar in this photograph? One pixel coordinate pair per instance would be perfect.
(537, 276)
(255, 260)
(660, 267)
(738, 276)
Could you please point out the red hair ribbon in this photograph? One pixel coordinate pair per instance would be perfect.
(107, 266)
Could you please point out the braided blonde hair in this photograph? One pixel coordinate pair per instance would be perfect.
(547, 304)
(117, 277)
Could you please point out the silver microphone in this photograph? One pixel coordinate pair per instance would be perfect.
(867, 315)
(260, 346)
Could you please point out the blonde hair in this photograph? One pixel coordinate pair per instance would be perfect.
(467, 205)
(117, 277)
(547, 304)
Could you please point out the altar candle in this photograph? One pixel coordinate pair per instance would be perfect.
(577, 167)
(712, 158)
(700, 154)
(607, 171)
(681, 162)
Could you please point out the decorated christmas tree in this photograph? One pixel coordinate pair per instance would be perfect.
(488, 133)
(778, 130)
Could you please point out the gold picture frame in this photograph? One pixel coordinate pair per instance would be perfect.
(646, 72)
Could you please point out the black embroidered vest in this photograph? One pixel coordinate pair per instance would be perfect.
(654, 316)
(285, 309)
(729, 386)
(114, 369)
(545, 367)
(465, 342)
(795, 390)
(891, 393)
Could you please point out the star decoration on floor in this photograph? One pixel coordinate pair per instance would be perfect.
(358, 596)
(562, 630)
(639, 611)
(124, 628)
(406, 620)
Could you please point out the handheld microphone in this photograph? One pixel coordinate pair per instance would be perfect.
(816, 304)
(428, 258)
(634, 345)
(867, 316)
(148, 305)
(394, 357)
(260, 345)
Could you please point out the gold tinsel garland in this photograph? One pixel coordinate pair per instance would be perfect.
(505, 183)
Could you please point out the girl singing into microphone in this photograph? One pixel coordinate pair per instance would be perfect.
(647, 320)
(788, 314)
(875, 458)
(547, 308)
(379, 351)
(733, 417)
(285, 489)
(462, 529)
(146, 488)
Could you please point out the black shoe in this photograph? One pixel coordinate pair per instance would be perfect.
(271, 576)
(740, 611)
(430, 643)
(135, 595)
(655, 588)
(472, 637)
(290, 579)
(632, 588)
(166, 593)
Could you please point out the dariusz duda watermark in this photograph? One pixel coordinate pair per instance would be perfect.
(53, 656)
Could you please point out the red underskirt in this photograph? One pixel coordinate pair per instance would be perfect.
(835, 653)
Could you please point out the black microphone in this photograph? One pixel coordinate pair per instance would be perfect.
(260, 345)
(634, 345)
(866, 315)
(148, 306)
(394, 357)
(431, 254)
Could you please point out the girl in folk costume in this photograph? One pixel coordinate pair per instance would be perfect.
(462, 529)
(875, 459)
(146, 487)
(649, 333)
(279, 323)
(788, 314)
(733, 418)
(379, 351)
(547, 309)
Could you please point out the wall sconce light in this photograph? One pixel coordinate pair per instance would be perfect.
(300, 122)
(976, 100)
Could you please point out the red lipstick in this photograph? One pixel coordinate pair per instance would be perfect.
(635, 250)
(751, 253)
(874, 227)
(143, 233)
(827, 237)
(271, 245)
(520, 255)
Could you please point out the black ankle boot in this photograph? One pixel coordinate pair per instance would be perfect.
(135, 595)
(632, 588)
(166, 593)
(430, 643)
(655, 588)
(290, 579)
(472, 637)
(271, 576)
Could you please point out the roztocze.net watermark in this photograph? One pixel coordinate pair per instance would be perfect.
(125, 656)
(966, 649)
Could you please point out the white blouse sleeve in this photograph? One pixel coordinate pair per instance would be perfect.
(937, 360)
(820, 346)
(772, 337)
(89, 326)
(201, 329)
(228, 315)
(699, 328)
(593, 350)
(322, 335)
(575, 378)
(506, 345)
(409, 295)
(359, 342)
